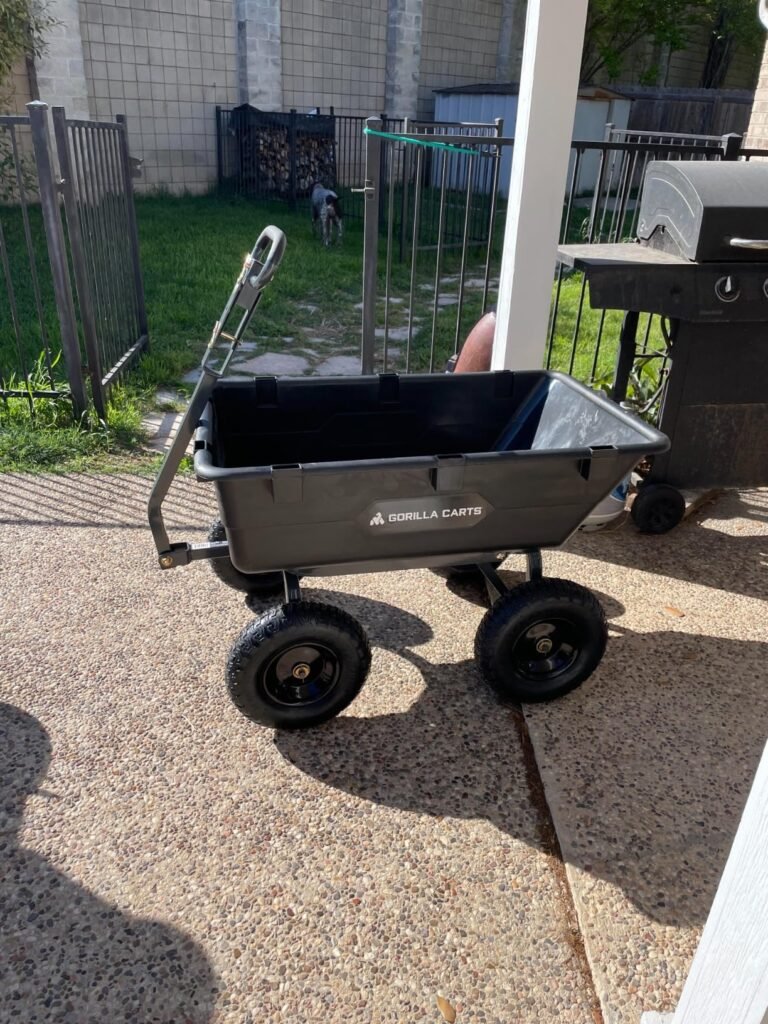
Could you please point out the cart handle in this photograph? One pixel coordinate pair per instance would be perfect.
(258, 270)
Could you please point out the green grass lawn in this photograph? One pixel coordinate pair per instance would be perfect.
(192, 248)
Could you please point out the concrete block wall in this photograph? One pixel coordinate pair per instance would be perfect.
(166, 65)
(334, 54)
(459, 46)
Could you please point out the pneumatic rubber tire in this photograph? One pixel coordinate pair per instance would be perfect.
(260, 585)
(298, 665)
(540, 640)
(657, 508)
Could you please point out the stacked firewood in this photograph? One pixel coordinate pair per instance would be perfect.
(314, 162)
(270, 160)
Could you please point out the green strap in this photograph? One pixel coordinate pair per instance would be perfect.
(426, 142)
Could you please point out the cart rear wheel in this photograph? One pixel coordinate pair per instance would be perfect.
(465, 573)
(261, 584)
(541, 640)
(298, 665)
(657, 508)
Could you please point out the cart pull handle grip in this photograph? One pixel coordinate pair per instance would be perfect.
(258, 270)
(272, 241)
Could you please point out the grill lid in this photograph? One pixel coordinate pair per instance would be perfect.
(707, 211)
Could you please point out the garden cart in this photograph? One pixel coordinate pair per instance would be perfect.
(319, 476)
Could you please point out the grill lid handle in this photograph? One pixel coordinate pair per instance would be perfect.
(749, 243)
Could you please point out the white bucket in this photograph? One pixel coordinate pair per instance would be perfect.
(610, 508)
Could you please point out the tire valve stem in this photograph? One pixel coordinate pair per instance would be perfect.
(301, 671)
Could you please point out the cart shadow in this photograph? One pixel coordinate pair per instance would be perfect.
(651, 759)
(475, 591)
(65, 953)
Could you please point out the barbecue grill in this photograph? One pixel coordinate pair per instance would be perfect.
(701, 262)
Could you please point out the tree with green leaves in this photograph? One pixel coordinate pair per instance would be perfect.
(23, 26)
(616, 28)
(733, 25)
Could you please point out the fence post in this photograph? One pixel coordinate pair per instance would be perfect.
(82, 283)
(731, 144)
(404, 190)
(385, 153)
(133, 231)
(370, 242)
(219, 160)
(57, 254)
(292, 156)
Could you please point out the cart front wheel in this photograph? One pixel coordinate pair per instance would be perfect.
(541, 640)
(260, 584)
(657, 508)
(298, 665)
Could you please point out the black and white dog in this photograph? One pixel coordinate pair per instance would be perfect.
(326, 212)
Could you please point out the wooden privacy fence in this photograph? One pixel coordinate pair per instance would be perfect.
(693, 111)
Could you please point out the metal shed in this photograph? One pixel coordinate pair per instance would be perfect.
(595, 108)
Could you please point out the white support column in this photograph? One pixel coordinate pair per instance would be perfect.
(728, 980)
(549, 81)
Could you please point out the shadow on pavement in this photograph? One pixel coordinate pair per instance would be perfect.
(735, 562)
(652, 758)
(100, 501)
(66, 955)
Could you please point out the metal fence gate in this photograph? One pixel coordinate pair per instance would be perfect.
(426, 287)
(98, 328)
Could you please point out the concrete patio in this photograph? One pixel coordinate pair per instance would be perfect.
(176, 863)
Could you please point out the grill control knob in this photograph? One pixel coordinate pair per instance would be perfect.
(727, 289)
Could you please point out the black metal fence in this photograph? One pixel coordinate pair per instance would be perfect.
(265, 155)
(268, 155)
(54, 339)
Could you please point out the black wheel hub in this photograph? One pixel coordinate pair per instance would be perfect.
(546, 648)
(663, 514)
(300, 674)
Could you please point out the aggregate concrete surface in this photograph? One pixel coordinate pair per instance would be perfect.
(178, 863)
(165, 860)
(648, 765)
